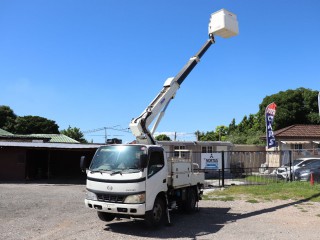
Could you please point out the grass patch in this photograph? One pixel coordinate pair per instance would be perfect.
(271, 191)
(262, 179)
(252, 201)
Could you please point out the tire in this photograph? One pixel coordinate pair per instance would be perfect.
(155, 217)
(190, 205)
(106, 217)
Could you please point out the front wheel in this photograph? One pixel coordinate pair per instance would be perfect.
(106, 217)
(155, 217)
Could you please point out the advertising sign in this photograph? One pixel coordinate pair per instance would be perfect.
(211, 161)
(319, 102)
(270, 113)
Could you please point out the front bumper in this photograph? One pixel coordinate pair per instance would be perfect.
(116, 208)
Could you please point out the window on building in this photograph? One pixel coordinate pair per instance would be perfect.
(298, 146)
(210, 149)
(204, 149)
(177, 152)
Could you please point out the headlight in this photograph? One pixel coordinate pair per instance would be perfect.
(91, 195)
(137, 198)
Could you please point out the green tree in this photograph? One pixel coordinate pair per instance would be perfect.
(7, 118)
(232, 126)
(163, 137)
(218, 135)
(236, 137)
(74, 133)
(298, 106)
(35, 124)
(209, 136)
(221, 132)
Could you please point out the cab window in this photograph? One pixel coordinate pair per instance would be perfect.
(156, 162)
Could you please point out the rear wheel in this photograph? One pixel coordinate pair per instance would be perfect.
(155, 217)
(190, 205)
(106, 217)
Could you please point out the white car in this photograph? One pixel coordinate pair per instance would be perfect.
(283, 172)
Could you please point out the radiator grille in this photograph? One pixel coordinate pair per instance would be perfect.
(111, 198)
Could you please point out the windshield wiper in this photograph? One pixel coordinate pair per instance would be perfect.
(116, 172)
(95, 171)
(99, 170)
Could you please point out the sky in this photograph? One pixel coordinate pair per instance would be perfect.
(97, 64)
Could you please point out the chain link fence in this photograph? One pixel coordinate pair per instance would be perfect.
(225, 168)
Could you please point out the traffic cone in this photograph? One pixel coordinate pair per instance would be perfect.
(311, 179)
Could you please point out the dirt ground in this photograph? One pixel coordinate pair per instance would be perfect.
(57, 211)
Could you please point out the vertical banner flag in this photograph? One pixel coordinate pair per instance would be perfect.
(319, 102)
(270, 112)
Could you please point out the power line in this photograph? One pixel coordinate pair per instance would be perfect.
(115, 128)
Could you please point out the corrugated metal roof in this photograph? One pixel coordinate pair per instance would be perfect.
(49, 145)
(21, 137)
(55, 138)
(5, 133)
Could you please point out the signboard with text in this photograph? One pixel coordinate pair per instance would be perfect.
(270, 113)
(211, 161)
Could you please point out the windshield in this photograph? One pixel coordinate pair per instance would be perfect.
(312, 163)
(306, 162)
(294, 162)
(118, 158)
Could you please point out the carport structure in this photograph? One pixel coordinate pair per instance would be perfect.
(37, 160)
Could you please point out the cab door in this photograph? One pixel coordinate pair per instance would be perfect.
(156, 176)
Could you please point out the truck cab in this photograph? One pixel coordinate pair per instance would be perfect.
(125, 180)
(139, 181)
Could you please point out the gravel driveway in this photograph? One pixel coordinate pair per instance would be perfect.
(57, 211)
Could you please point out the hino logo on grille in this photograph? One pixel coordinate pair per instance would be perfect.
(109, 188)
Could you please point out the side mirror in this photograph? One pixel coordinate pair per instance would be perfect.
(144, 160)
(83, 163)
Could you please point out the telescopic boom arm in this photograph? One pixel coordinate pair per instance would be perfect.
(222, 23)
(139, 125)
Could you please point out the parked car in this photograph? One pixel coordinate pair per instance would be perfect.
(283, 172)
(304, 173)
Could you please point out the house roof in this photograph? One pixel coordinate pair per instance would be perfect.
(49, 145)
(299, 131)
(4, 133)
(51, 138)
(55, 138)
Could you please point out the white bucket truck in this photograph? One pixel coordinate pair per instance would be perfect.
(140, 180)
